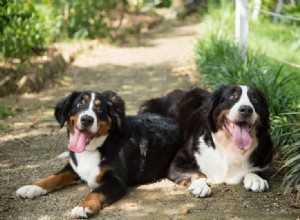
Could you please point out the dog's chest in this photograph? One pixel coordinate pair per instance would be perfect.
(220, 166)
(88, 167)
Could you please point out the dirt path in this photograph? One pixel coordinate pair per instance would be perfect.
(137, 71)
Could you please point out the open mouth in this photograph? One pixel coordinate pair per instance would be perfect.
(240, 132)
(80, 139)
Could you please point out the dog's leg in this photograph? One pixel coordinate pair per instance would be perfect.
(63, 178)
(185, 173)
(111, 189)
(255, 183)
(194, 180)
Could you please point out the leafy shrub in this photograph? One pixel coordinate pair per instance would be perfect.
(84, 19)
(292, 161)
(5, 112)
(21, 29)
(158, 3)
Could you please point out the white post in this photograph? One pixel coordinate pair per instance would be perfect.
(293, 3)
(256, 9)
(241, 25)
(278, 10)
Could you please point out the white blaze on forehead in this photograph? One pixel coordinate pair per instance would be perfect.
(91, 113)
(243, 100)
(92, 101)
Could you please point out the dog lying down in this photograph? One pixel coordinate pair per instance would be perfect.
(108, 150)
(225, 137)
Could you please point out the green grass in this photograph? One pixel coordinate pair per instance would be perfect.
(292, 161)
(280, 41)
(2, 126)
(274, 40)
(5, 112)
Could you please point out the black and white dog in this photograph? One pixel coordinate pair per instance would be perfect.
(226, 137)
(108, 151)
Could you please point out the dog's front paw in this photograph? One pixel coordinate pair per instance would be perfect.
(81, 212)
(255, 183)
(88, 207)
(199, 188)
(30, 191)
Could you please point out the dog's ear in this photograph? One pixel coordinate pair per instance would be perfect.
(116, 107)
(63, 108)
(213, 104)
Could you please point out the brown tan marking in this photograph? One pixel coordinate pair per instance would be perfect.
(57, 181)
(223, 137)
(220, 118)
(71, 122)
(99, 177)
(98, 102)
(187, 181)
(85, 97)
(93, 201)
(103, 127)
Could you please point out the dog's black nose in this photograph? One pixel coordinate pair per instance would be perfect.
(87, 120)
(246, 110)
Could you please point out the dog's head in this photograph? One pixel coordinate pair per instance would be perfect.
(238, 112)
(90, 116)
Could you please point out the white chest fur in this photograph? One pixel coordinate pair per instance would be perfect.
(222, 165)
(88, 166)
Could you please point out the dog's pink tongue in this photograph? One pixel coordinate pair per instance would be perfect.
(241, 137)
(77, 143)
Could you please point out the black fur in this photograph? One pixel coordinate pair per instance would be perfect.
(137, 149)
(63, 108)
(196, 110)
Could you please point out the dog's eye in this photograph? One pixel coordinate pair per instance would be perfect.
(79, 105)
(233, 97)
(98, 109)
(254, 100)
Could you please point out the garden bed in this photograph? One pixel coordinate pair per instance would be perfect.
(17, 76)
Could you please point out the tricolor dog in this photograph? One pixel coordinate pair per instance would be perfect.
(226, 137)
(108, 150)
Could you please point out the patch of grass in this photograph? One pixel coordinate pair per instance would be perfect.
(280, 41)
(5, 112)
(292, 161)
(275, 40)
(2, 126)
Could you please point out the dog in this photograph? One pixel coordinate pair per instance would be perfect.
(225, 137)
(109, 151)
